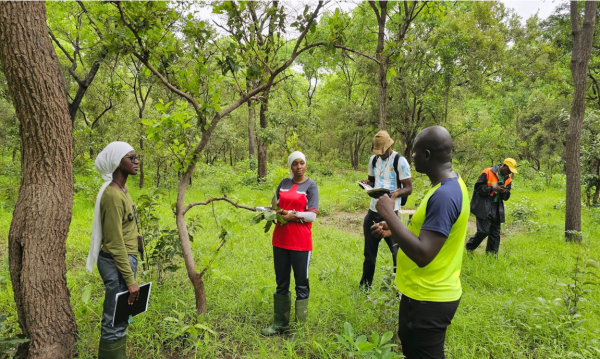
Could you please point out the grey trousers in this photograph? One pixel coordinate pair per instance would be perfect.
(114, 283)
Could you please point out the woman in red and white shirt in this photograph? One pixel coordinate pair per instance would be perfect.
(298, 200)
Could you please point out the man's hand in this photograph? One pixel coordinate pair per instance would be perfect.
(380, 230)
(498, 189)
(364, 181)
(385, 204)
(394, 195)
(134, 293)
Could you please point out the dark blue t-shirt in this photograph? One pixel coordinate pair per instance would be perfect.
(443, 207)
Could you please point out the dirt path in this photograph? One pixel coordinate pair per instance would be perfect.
(348, 221)
(353, 221)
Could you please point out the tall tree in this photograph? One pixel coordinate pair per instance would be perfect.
(583, 37)
(407, 13)
(142, 40)
(381, 15)
(258, 29)
(43, 210)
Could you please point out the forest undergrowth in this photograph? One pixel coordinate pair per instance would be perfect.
(532, 301)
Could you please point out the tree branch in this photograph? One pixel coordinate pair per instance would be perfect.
(372, 5)
(59, 44)
(126, 23)
(106, 109)
(356, 52)
(166, 82)
(213, 199)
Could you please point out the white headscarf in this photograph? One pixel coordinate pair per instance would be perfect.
(294, 156)
(106, 163)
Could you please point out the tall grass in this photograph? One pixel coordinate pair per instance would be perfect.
(508, 309)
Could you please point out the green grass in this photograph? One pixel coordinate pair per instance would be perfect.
(499, 315)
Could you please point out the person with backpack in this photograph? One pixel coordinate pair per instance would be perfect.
(387, 169)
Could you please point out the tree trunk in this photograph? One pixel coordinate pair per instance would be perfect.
(382, 74)
(141, 162)
(582, 47)
(409, 141)
(262, 147)
(251, 124)
(158, 169)
(42, 215)
(186, 246)
(355, 157)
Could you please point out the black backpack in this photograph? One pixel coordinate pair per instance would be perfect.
(398, 183)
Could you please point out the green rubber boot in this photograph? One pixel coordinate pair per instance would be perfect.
(282, 305)
(301, 310)
(113, 349)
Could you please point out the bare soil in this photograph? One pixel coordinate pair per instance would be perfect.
(349, 221)
(352, 222)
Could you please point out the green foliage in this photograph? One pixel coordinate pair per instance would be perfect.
(186, 336)
(373, 347)
(522, 211)
(502, 87)
(9, 183)
(163, 247)
(582, 276)
(173, 130)
(561, 317)
(270, 217)
(590, 158)
(498, 315)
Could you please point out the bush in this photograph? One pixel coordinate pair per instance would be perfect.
(522, 210)
(375, 348)
(355, 199)
(10, 175)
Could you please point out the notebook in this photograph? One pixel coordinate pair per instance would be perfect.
(124, 310)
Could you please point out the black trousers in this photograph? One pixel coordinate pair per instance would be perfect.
(371, 248)
(285, 260)
(486, 227)
(422, 327)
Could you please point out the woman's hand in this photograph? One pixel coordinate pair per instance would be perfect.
(282, 212)
(292, 217)
(134, 293)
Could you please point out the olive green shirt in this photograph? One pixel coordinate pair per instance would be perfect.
(119, 230)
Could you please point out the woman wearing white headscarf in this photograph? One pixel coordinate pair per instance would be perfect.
(114, 244)
(298, 200)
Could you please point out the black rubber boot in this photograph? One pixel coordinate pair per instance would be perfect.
(282, 305)
(113, 349)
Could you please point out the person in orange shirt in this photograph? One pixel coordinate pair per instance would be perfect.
(487, 204)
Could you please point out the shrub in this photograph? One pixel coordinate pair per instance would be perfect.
(375, 348)
(522, 210)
